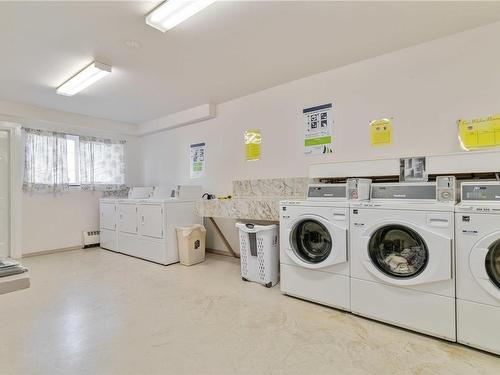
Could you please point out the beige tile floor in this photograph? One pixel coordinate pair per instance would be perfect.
(95, 312)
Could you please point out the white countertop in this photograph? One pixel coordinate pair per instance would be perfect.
(240, 208)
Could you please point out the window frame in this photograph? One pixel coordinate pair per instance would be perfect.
(76, 139)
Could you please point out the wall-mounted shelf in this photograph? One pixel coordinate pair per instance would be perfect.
(465, 162)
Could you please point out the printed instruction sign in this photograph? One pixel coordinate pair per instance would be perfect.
(318, 122)
(381, 132)
(412, 169)
(480, 133)
(253, 139)
(197, 156)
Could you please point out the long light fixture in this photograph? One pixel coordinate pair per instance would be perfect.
(84, 78)
(172, 12)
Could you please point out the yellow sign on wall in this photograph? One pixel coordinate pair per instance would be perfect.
(479, 133)
(253, 140)
(381, 132)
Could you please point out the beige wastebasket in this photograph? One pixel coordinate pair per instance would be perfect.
(191, 244)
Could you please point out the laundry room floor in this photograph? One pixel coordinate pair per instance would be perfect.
(94, 311)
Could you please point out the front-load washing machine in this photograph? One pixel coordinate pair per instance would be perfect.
(402, 258)
(314, 250)
(477, 220)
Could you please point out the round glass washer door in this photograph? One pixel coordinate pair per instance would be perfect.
(398, 251)
(311, 241)
(492, 263)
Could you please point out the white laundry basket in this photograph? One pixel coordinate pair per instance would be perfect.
(259, 253)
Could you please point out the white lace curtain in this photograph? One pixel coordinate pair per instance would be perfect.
(102, 164)
(45, 161)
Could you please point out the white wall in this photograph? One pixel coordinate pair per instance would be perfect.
(425, 88)
(55, 221)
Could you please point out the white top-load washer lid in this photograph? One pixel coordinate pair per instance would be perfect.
(140, 192)
(181, 193)
(162, 192)
(189, 192)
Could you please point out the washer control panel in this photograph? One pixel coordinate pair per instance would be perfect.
(331, 191)
(479, 209)
(481, 192)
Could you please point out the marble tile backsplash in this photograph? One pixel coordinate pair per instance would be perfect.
(271, 187)
(122, 193)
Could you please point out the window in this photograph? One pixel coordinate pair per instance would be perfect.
(55, 161)
(73, 164)
(45, 161)
(102, 164)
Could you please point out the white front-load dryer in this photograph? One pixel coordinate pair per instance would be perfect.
(402, 259)
(478, 265)
(314, 251)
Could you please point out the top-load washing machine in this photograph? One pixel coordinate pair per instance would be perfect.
(144, 226)
(477, 220)
(402, 256)
(314, 252)
(109, 213)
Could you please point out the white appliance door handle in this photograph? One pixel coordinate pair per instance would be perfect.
(347, 245)
(339, 217)
(435, 222)
(438, 220)
(142, 219)
(287, 237)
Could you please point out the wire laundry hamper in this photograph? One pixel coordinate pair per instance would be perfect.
(259, 253)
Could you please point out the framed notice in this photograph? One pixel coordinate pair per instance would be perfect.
(479, 133)
(381, 132)
(412, 169)
(318, 124)
(197, 154)
(253, 139)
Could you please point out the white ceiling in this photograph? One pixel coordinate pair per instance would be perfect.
(229, 50)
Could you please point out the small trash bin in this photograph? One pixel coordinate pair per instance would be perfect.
(191, 244)
(259, 253)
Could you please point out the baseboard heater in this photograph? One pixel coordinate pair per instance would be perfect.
(91, 239)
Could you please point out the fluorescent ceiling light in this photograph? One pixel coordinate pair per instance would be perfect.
(83, 79)
(172, 12)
